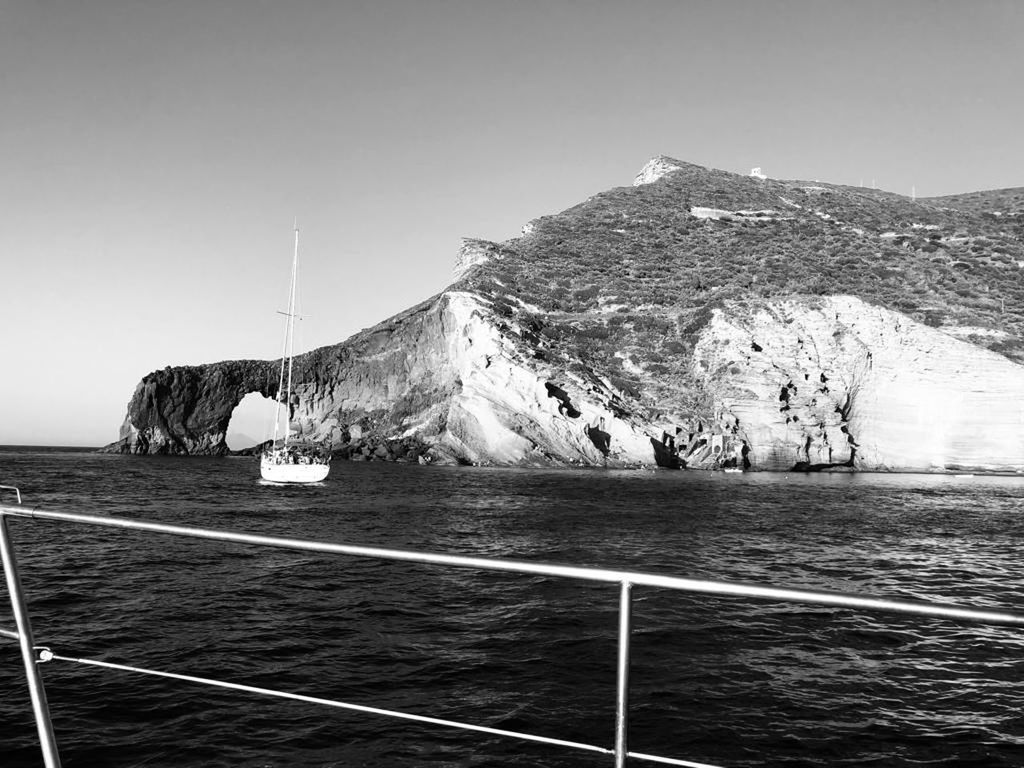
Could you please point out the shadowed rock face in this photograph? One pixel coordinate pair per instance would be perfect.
(186, 410)
(637, 330)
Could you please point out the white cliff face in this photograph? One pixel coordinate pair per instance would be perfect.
(493, 388)
(932, 401)
(474, 252)
(829, 380)
(655, 168)
(508, 411)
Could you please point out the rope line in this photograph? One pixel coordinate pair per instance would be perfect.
(338, 704)
(668, 760)
(8, 633)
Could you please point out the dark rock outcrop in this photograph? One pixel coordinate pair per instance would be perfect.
(186, 410)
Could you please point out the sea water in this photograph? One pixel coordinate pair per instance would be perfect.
(726, 681)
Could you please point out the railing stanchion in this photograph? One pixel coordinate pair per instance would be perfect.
(622, 676)
(47, 741)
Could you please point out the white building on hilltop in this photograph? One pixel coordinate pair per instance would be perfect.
(756, 173)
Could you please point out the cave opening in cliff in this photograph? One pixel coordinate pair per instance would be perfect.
(252, 422)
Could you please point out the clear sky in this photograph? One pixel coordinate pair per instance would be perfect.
(155, 153)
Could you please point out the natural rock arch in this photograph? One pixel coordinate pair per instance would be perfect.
(187, 410)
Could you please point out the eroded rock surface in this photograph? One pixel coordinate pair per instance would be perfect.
(836, 382)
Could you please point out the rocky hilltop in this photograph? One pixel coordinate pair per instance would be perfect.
(697, 318)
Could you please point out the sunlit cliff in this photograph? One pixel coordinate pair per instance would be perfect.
(694, 319)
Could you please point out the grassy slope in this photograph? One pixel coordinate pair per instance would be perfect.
(623, 281)
(995, 203)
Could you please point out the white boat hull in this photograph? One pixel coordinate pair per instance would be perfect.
(274, 472)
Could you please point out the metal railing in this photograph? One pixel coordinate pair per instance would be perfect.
(32, 654)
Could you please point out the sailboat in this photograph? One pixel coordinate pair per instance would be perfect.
(288, 460)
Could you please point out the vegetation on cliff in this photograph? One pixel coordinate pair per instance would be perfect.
(624, 281)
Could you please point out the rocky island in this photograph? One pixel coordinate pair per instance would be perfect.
(697, 318)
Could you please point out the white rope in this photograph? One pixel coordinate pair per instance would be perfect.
(47, 655)
(669, 760)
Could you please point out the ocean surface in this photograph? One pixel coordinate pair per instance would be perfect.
(725, 681)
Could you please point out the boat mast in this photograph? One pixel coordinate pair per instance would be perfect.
(291, 330)
(286, 350)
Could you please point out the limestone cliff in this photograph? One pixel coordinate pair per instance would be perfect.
(836, 382)
(794, 326)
